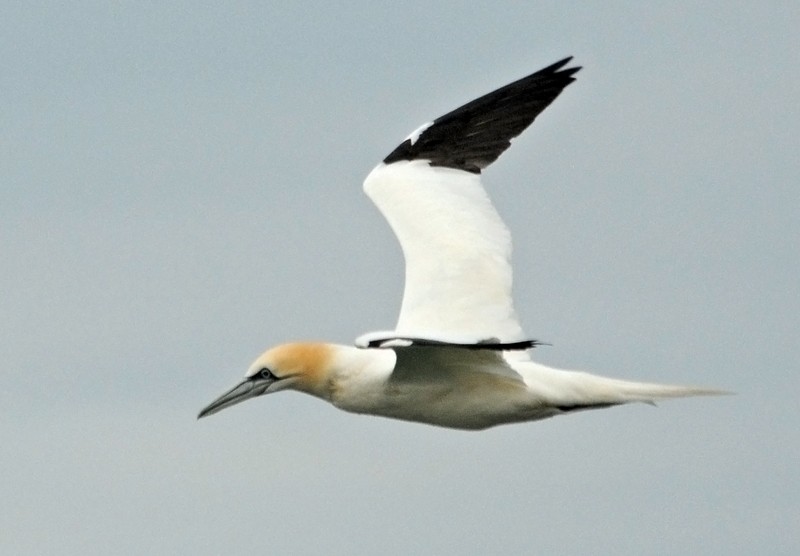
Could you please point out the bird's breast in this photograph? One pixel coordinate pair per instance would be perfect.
(474, 401)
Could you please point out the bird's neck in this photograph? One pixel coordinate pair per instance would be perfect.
(346, 372)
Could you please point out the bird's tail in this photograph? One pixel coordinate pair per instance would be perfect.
(630, 391)
(573, 390)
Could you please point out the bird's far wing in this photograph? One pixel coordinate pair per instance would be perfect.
(450, 364)
(390, 339)
(456, 247)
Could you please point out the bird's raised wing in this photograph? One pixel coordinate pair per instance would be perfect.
(457, 249)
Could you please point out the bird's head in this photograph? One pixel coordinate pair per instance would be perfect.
(300, 366)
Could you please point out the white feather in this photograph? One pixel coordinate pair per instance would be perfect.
(417, 132)
(457, 252)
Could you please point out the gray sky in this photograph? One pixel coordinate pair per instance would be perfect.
(180, 189)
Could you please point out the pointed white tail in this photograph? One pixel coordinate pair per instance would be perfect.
(580, 389)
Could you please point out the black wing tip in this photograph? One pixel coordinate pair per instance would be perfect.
(490, 344)
(553, 68)
(461, 139)
(522, 345)
(559, 74)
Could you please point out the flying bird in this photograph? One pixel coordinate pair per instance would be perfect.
(457, 357)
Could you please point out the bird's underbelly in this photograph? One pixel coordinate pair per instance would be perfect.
(468, 405)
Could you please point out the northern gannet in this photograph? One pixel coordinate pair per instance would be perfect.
(458, 356)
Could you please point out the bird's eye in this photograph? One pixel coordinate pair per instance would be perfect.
(266, 374)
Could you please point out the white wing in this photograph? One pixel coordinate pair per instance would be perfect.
(457, 252)
(456, 247)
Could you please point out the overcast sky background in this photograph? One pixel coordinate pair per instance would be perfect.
(180, 188)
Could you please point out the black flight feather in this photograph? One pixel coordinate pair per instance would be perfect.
(491, 344)
(473, 136)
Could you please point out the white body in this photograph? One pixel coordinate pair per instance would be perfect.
(450, 387)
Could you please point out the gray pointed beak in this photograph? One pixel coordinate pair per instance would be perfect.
(248, 388)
